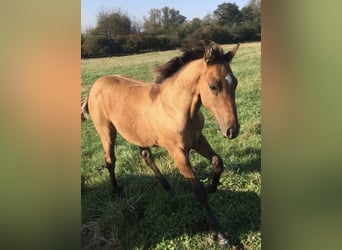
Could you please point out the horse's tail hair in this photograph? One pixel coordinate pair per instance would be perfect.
(84, 109)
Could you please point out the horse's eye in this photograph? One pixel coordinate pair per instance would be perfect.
(215, 88)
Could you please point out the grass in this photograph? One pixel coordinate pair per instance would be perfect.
(148, 217)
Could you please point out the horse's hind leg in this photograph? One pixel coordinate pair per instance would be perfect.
(147, 155)
(108, 136)
(203, 148)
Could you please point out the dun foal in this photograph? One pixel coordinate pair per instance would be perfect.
(167, 114)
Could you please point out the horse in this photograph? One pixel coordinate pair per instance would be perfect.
(166, 113)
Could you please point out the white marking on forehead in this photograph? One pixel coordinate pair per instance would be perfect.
(229, 79)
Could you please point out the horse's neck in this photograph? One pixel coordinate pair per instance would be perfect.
(183, 89)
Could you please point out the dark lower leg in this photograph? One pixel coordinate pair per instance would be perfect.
(202, 198)
(218, 169)
(111, 170)
(203, 148)
(147, 155)
(110, 165)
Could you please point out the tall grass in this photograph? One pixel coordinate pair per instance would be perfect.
(148, 217)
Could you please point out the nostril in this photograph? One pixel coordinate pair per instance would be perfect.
(230, 133)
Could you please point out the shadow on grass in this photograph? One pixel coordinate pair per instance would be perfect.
(147, 215)
(253, 163)
(250, 160)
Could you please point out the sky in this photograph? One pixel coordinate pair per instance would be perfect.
(137, 9)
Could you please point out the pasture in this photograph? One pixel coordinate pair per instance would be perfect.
(150, 218)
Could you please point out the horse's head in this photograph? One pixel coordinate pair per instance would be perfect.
(217, 89)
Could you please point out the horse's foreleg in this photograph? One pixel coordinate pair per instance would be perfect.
(147, 155)
(181, 158)
(202, 147)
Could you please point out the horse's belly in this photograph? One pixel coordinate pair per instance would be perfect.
(142, 140)
(136, 132)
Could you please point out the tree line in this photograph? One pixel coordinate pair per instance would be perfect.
(166, 28)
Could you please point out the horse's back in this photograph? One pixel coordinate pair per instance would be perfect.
(112, 88)
(112, 82)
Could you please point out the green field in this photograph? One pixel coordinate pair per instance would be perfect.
(150, 218)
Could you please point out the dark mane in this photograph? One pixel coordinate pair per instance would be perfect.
(197, 51)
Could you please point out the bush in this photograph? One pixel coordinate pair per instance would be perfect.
(98, 46)
(247, 32)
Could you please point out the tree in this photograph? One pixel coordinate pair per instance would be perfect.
(247, 14)
(255, 4)
(135, 27)
(160, 21)
(175, 18)
(228, 14)
(153, 20)
(252, 12)
(112, 24)
(251, 18)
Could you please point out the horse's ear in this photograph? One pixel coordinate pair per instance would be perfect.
(230, 54)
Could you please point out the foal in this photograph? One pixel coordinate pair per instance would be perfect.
(167, 114)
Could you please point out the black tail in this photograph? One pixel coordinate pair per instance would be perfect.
(84, 109)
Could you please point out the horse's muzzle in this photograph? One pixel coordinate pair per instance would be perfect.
(233, 132)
